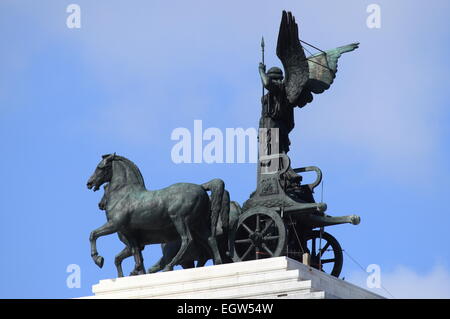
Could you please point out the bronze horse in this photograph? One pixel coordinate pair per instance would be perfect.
(140, 217)
(169, 250)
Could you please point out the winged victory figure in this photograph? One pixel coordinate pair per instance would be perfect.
(303, 77)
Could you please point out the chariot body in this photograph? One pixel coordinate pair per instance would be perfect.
(280, 221)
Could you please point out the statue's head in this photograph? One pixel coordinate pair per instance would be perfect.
(102, 173)
(275, 73)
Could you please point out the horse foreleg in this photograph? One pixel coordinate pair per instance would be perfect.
(125, 253)
(104, 230)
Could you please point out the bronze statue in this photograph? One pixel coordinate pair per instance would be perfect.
(280, 218)
(304, 76)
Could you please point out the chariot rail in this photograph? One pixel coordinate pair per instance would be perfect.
(311, 169)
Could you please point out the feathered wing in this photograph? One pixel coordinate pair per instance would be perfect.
(322, 71)
(291, 54)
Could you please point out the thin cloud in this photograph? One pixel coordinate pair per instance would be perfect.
(406, 283)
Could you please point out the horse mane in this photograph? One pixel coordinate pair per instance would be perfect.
(133, 167)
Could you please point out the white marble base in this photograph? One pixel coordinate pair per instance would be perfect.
(279, 277)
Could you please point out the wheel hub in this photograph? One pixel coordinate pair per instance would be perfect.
(257, 239)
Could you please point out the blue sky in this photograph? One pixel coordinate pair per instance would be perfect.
(136, 70)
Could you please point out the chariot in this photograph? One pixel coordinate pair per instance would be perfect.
(280, 221)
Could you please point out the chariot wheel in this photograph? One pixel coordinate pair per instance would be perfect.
(326, 253)
(260, 233)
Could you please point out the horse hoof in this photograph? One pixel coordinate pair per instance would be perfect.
(152, 270)
(99, 260)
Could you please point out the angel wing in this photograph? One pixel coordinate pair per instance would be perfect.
(322, 71)
(291, 54)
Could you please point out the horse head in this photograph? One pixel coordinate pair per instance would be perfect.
(102, 173)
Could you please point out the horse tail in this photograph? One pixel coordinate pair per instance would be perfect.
(225, 211)
(217, 188)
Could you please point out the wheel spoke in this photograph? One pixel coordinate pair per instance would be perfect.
(267, 227)
(257, 252)
(270, 238)
(324, 249)
(267, 249)
(258, 221)
(242, 241)
(247, 252)
(313, 247)
(327, 261)
(247, 228)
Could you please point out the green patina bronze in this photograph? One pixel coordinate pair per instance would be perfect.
(281, 217)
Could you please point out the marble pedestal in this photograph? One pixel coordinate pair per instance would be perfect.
(279, 277)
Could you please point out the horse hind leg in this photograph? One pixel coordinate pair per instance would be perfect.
(201, 262)
(206, 242)
(169, 250)
(159, 265)
(139, 268)
(125, 253)
(188, 264)
(217, 188)
(213, 246)
(207, 246)
(203, 251)
(186, 241)
(212, 241)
